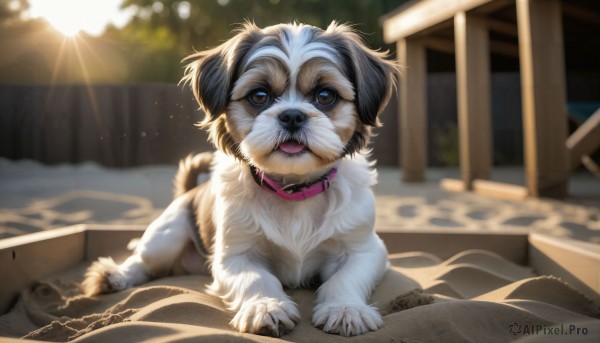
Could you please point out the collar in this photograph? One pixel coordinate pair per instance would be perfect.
(294, 191)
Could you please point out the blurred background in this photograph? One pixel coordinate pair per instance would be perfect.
(92, 121)
(141, 41)
(96, 81)
(89, 80)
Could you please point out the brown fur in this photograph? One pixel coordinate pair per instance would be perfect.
(267, 72)
(96, 277)
(200, 200)
(213, 73)
(321, 71)
(189, 170)
(202, 207)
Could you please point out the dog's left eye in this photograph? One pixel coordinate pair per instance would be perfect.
(259, 97)
(325, 97)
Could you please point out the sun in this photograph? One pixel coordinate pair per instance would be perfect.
(68, 26)
(73, 16)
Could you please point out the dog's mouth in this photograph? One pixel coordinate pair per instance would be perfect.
(292, 147)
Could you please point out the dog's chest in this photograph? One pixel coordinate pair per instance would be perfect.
(297, 271)
(299, 238)
(296, 227)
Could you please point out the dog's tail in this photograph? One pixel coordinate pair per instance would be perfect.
(189, 169)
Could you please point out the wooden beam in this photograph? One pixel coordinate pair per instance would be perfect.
(413, 110)
(425, 14)
(473, 91)
(452, 185)
(543, 96)
(591, 165)
(576, 262)
(24, 259)
(500, 190)
(447, 242)
(585, 140)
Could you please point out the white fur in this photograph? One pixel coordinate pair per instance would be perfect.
(157, 250)
(266, 135)
(263, 243)
(297, 50)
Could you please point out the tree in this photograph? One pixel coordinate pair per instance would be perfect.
(11, 10)
(162, 32)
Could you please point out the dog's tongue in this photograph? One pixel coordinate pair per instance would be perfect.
(292, 147)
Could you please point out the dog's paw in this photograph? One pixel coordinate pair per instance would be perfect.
(267, 317)
(103, 276)
(346, 319)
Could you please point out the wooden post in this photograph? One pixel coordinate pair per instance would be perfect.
(413, 110)
(543, 96)
(473, 92)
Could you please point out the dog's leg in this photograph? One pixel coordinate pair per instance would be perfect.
(249, 289)
(159, 247)
(342, 299)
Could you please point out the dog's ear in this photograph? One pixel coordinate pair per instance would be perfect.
(374, 77)
(211, 73)
(209, 76)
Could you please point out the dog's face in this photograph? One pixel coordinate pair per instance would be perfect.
(291, 98)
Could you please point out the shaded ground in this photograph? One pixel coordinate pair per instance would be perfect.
(34, 197)
(428, 207)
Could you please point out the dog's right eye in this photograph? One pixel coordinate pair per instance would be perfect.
(259, 97)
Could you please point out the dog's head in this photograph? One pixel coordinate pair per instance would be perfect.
(291, 98)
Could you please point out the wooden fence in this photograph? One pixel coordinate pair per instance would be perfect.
(130, 125)
(117, 126)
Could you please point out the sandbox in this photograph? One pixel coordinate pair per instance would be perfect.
(501, 286)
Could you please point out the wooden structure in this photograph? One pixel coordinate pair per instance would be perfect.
(463, 27)
(28, 258)
(584, 141)
(114, 125)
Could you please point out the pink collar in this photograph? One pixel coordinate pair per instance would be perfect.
(294, 191)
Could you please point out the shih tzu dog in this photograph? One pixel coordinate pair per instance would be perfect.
(290, 110)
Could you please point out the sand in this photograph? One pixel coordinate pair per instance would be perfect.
(474, 296)
(477, 296)
(36, 197)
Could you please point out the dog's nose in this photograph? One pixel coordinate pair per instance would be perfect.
(292, 120)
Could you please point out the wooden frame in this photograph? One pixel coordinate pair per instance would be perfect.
(28, 258)
(539, 30)
(543, 93)
(474, 103)
(413, 110)
(585, 140)
(424, 15)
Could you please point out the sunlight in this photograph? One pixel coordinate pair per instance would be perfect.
(72, 16)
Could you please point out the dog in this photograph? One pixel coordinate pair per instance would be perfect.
(290, 109)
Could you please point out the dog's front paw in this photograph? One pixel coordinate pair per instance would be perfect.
(346, 319)
(267, 317)
(103, 276)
